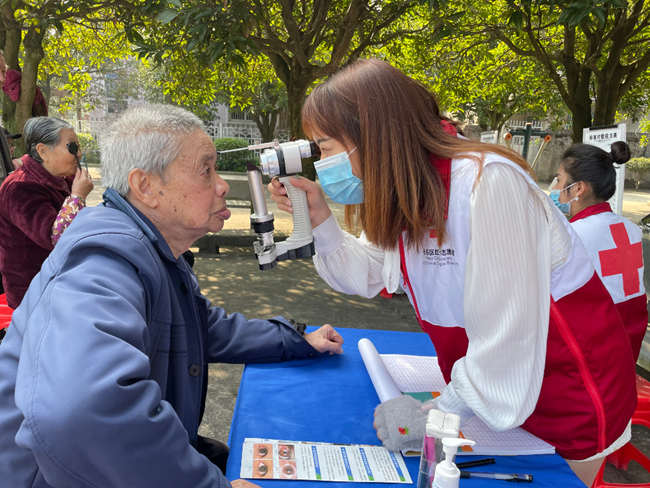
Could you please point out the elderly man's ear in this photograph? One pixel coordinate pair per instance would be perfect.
(145, 188)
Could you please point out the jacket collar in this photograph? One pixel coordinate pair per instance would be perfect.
(592, 210)
(443, 166)
(37, 172)
(114, 200)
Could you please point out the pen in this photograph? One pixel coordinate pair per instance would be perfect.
(478, 462)
(517, 478)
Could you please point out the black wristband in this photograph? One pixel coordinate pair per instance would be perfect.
(297, 326)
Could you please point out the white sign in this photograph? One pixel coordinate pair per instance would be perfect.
(491, 136)
(603, 137)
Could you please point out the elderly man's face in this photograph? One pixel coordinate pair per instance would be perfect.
(193, 195)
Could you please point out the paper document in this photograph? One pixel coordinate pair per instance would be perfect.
(420, 377)
(289, 460)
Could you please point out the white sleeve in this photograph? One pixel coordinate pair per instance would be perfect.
(348, 264)
(506, 304)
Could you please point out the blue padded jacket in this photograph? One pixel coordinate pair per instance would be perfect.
(104, 366)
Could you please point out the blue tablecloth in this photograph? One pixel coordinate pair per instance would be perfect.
(331, 399)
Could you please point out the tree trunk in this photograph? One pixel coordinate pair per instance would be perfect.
(608, 97)
(266, 124)
(47, 90)
(11, 51)
(581, 116)
(296, 91)
(33, 54)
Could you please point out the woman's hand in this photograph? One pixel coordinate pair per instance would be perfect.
(319, 211)
(82, 184)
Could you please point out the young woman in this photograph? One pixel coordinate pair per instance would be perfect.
(522, 325)
(586, 180)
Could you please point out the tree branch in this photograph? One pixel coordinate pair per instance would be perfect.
(639, 68)
(343, 38)
(594, 49)
(316, 25)
(379, 27)
(276, 46)
(295, 35)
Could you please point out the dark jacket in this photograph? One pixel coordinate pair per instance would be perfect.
(30, 200)
(102, 371)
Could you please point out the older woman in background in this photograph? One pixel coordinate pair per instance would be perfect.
(38, 201)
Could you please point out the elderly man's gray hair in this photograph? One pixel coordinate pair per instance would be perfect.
(147, 137)
(46, 130)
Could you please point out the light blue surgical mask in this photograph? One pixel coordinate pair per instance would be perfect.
(336, 178)
(565, 208)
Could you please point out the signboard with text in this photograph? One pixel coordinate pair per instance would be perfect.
(603, 137)
(491, 136)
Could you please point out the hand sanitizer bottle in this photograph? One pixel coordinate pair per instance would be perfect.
(447, 474)
(439, 425)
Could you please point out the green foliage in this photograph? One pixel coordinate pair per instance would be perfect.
(303, 41)
(640, 169)
(76, 59)
(476, 81)
(31, 27)
(233, 161)
(87, 141)
(594, 52)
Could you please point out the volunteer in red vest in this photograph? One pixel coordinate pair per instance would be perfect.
(586, 180)
(522, 325)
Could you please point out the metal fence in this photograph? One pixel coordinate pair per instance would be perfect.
(216, 130)
(249, 132)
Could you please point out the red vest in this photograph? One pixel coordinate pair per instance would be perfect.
(588, 393)
(614, 246)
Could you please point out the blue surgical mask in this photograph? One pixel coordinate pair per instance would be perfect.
(336, 178)
(565, 208)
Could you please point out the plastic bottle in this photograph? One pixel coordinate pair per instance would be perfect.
(447, 474)
(439, 425)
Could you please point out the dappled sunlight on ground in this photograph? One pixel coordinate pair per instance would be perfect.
(233, 281)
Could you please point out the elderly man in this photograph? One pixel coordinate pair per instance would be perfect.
(103, 372)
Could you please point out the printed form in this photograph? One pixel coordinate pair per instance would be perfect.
(420, 377)
(290, 460)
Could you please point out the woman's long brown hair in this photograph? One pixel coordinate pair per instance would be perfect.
(394, 122)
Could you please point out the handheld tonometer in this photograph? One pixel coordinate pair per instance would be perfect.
(283, 160)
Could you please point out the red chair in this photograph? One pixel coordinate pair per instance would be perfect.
(621, 458)
(5, 312)
(384, 294)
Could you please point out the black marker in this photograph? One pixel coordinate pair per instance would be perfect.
(478, 462)
(517, 478)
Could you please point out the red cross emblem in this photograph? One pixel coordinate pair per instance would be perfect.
(625, 259)
(433, 234)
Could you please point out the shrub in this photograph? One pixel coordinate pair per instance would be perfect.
(233, 161)
(87, 140)
(640, 168)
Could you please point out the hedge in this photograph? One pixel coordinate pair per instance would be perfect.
(233, 161)
(639, 169)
